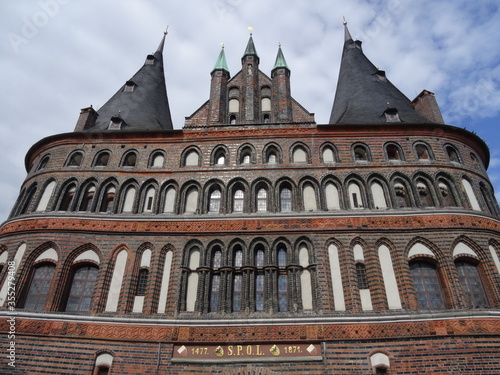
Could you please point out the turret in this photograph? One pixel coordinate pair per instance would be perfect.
(250, 96)
(281, 93)
(218, 91)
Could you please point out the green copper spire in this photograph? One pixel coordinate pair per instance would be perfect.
(280, 60)
(221, 64)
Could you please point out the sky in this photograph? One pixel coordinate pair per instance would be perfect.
(58, 56)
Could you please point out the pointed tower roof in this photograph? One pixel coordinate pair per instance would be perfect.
(280, 60)
(250, 50)
(364, 95)
(142, 103)
(221, 63)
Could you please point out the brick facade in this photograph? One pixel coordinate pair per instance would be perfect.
(232, 268)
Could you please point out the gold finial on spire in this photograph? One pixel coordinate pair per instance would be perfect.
(166, 31)
(222, 45)
(279, 44)
(345, 22)
(251, 30)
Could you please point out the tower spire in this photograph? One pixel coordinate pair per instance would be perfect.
(363, 92)
(221, 61)
(162, 42)
(280, 59)
(347, 34)
(142, 103)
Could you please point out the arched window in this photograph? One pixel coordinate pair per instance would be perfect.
(282, 280)
(192, 158)
(157, 160)
(259, 279)
(452, 154)
(82, 288)
(232, 118)
(191, 200)
(285, 199)
(102, 159)
(488, 199)
(142, 281)
(215, 282)
(309, 197)
(471, 284)
(47, 194)
(427, 285)
(169, 204)
(262, 200)
(215, 201)
(87, 198)
(328, 154)
(380, 362)
(360, 153)
(378, 195)
(355, 198)
(149, 199)
(299, 155)
(75, 159)
(446, 194)
(234, 92)
(332, 196)
(282, 257)
(402, 198)
(219, 156)
(271, 154)
(39, 287)
(471, 195)
(423, 152)
(237, 280)
(306, 292)
(67, 198)
(246, 154)
(393, 152)
(128, 202)
(27, 199)
(238, 200)
(103, 363)
(364, 291)
(192, 280)
(424, 194)
(43, 163)
(130, 159)
(108, 199)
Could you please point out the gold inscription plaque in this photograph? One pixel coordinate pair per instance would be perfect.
(248, 352)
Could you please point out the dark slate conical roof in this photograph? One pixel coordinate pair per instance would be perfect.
(142, 102)
(250, 50)
(364, 94)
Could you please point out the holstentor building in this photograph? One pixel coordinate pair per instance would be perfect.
(255, 241)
